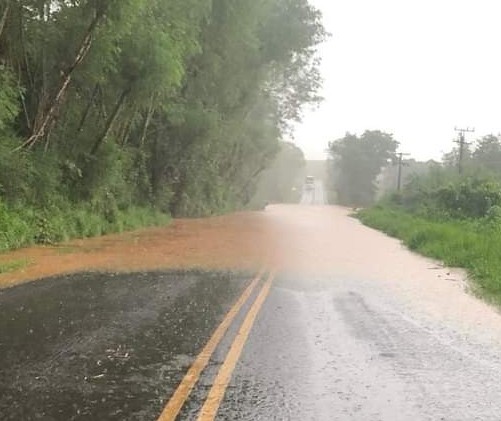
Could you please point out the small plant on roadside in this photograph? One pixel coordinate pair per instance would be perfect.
(13, 265)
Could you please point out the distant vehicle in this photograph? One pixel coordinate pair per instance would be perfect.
(309, 182)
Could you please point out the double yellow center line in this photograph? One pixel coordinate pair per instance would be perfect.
(216, 393)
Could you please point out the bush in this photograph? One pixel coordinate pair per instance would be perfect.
(450, 196)
(24, 226)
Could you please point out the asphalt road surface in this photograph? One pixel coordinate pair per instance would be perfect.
(341, 323)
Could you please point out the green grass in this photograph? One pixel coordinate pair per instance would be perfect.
(25, 226)
(474, 245)
(13, 265)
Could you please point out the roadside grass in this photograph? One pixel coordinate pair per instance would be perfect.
(25, 226)
(474, 245)
(13, 265)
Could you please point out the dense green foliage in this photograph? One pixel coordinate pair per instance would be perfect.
(387, 181)
(441, 192)
(22, 226)
(356, 162)
(176, 105)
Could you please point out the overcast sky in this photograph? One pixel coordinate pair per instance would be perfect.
(414, 68)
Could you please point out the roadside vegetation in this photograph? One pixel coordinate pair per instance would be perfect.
(13, 265)
(355, 162)
(116, 113)
(453, 217)
(22, 226)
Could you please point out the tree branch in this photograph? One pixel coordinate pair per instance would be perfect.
(40, 130)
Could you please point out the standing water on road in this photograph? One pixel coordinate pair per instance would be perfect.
(169, 245)
(354, 327)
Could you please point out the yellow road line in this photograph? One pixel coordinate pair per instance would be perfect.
(218, 389)
(184, 389)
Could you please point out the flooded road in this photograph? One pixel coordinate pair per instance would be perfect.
(342, 323)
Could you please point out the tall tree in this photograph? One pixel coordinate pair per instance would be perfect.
(357, 162)
(180, 104)
(487, 153)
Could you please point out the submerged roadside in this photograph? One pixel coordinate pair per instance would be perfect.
(468, 244)
(220, 243)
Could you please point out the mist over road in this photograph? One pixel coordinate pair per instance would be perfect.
(342, 324)
(314, 195)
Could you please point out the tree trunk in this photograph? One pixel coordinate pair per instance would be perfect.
(22, 38)
(87, 109)
(109, 122)
(49, 115)
(254, 175)
(126, 133)
(23, 100)
(234, 161)
(3, 21)
(146, 123)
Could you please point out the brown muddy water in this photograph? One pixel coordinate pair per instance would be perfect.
(353, 318)
(296, 238)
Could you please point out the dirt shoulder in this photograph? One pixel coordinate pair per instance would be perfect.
(223, 242)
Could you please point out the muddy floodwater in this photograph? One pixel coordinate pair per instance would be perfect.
(295, 238)
(355, 326)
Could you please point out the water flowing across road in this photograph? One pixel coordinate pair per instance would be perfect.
(343, 323)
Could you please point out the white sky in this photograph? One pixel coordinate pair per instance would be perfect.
(414, 68)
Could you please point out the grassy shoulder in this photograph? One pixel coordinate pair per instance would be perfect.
(13, 265)
(470, 244)
(26, 226)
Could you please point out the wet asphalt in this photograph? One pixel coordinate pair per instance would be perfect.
(105, 346)
(336, 349)
(114, 347)
(324, 347)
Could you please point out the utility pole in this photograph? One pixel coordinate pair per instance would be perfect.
(462, 143)
(400, 165)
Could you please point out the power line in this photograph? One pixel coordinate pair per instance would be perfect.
(462, 143)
